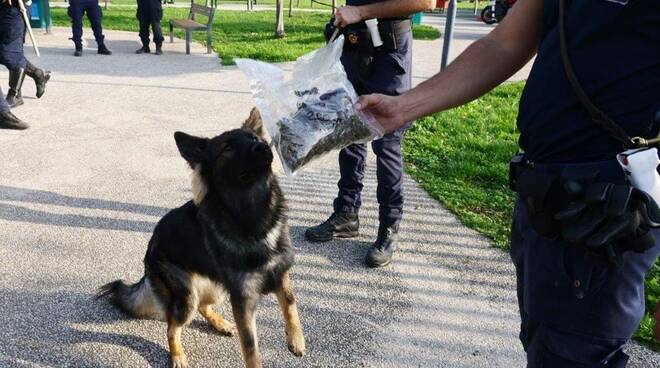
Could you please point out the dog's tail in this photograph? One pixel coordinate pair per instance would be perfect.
(137, 300)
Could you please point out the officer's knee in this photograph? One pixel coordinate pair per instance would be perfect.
(389, 144)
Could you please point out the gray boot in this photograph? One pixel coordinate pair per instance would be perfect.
(16, 78)
(40, 76)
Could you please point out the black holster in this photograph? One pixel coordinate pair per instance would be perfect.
(538, 189)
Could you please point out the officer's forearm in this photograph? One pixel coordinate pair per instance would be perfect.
(482, 66)
(394, 8)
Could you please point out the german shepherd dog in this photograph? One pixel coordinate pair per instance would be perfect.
(232, 238)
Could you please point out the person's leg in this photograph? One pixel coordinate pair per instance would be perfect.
(156, 17)
(352, 164)
(75, 12)
(16, 78)
(389, 171)
(575, 311)
(40, 76)
(15, 61)
(95, 15)
(391, 75)
(344, 223)
(143, 19)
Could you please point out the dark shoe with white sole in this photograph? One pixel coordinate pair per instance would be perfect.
(340, 225)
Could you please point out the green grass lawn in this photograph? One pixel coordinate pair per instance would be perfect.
(241, 34)
(461, 158)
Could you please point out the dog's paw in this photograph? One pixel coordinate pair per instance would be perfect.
(228, 329)
(179, 361)
(224, 328)
(296, 343)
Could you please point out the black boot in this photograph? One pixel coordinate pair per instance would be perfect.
(40, 76)
(339, 225)
(143, 50)
(380, 253)
(78, 51)
(10, 121)
(159, 50)
(16, 78)
(104, 50)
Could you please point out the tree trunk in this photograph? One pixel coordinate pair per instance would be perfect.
(279, 8)
(334, 6)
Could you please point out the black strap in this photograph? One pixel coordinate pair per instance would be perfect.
(597, 115)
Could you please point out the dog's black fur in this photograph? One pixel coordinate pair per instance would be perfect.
(233, 237)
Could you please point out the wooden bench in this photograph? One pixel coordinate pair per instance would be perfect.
(190, 25)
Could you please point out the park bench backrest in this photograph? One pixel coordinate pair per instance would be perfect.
(202, 10)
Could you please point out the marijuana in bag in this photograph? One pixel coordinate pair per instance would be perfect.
(321, 124)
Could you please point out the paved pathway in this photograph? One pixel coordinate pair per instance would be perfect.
(82, 189)
(466, 31)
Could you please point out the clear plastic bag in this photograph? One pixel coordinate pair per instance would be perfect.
(312, 113)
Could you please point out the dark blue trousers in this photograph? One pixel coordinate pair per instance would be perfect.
(77, 8)
(575, 312)
(390, 75)
(12, 30)
(149, 14)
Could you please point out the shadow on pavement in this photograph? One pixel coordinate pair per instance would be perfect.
(43, 325)
(16, 210)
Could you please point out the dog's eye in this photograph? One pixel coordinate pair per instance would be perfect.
(226, 150)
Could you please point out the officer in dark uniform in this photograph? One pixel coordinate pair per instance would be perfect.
(384, 70)
(582, 238)
(77, 8)
(12, 33)
(150, 13)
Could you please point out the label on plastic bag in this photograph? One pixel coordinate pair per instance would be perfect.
(312, 113)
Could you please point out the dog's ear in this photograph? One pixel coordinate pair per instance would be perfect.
(255, 124)
(191, 148)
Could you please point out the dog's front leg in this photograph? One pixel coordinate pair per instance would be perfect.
(245, 317)
(177, 356)
(294, 334)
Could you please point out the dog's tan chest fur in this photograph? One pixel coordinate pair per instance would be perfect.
(207, 290)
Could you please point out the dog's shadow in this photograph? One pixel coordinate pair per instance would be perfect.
(49, 322)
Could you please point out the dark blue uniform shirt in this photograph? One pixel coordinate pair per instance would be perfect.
(614, 46)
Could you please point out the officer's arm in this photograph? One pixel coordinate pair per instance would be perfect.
(386, 9)
(480, 68)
